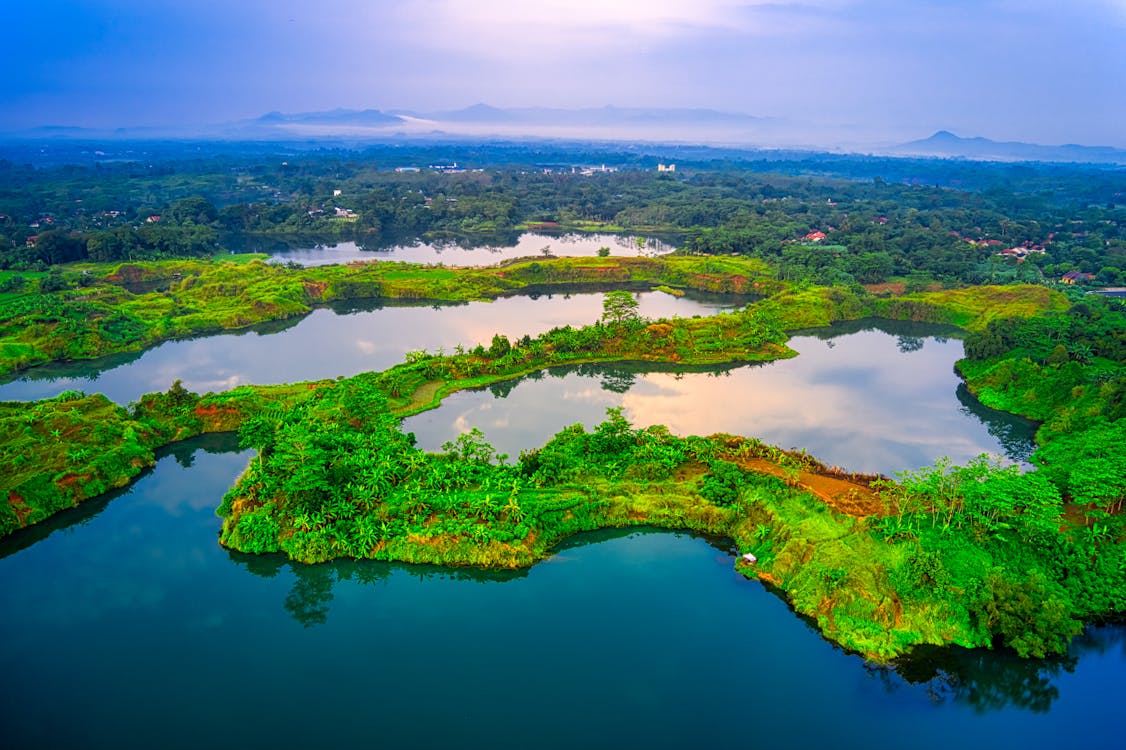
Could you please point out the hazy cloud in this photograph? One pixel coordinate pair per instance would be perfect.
(865, 69)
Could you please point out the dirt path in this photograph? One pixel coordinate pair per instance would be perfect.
(840, 494)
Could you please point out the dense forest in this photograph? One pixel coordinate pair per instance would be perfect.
(833, 219)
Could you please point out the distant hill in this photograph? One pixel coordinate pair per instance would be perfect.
(609, 116)
(945, 143)
(478, 113)
(599, 116)
(367, 117)
(486, 120)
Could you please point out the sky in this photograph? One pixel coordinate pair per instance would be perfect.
(1043, 71)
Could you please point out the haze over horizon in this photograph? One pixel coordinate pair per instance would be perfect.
(832, 71)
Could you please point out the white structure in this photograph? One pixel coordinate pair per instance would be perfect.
(666, 167)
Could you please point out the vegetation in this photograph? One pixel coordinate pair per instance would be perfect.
(975, 555)
(888, 218)
(95, 313)
(968, 555)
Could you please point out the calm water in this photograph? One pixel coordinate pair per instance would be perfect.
(870, 396)
(458, 254)
(340, 340)
(125, 625)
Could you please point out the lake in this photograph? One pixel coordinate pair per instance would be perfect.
(341, 339)
(870, 396)
(125, 626)
(457, 253)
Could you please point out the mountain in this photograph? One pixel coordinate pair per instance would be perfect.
(368, 117)
(477, 113)
(594, 116)
(945, 143)
(681, 125)
(484, 120)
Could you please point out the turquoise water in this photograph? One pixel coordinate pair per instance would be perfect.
(125, 625)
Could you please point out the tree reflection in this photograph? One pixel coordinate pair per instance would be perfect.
(308, 601)
(980, 679)
(1015, 434)
(908, 344)
(618, 381)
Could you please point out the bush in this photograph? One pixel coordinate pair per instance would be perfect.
(723, 483)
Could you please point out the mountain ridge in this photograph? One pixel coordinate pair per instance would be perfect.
(947, 144)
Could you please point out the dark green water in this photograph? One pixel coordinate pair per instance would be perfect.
(125, 625)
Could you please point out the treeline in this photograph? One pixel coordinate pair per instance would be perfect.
(825, 229)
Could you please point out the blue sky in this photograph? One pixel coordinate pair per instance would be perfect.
(1034, 70)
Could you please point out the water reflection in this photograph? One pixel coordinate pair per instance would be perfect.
(343, 339)
(461, 251)
(854, 397)
(616, 623)
(983, 680)
(1015, 434)
(989, 681)
(309, 600)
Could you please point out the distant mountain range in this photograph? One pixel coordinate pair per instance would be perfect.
(483, 119)
(609, 115)
(630, 124)
(945, 143)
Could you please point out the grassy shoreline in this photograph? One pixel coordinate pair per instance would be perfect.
(98, 315)
(879, 567)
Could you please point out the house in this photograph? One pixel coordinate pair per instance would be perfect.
(1076, 277)
(32, 240)
(666, 167)
(815, 237)
(153, 219)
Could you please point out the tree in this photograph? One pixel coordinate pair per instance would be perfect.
(619, 307)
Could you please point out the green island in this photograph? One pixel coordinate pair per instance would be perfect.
(969, 555)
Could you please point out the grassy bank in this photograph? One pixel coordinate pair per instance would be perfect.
(127, 307)
(971, 555)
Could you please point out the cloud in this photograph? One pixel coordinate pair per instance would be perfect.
(901, 69)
